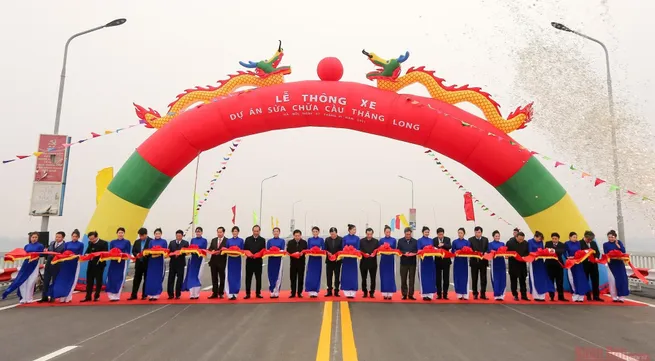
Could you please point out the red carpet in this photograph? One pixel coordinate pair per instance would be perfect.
(284, 298)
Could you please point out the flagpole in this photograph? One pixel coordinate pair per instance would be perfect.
(195, 189)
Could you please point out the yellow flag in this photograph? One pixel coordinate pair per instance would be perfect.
(103, 179)
(108, 132)
(277, 222)
(37, 154)
(272, 225)
(403, 220)
(196, 197)
(254, 218)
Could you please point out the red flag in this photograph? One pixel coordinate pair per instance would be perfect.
(397, 221)
(468, 206)
(598, 181)
(234, 214)
(95, 135)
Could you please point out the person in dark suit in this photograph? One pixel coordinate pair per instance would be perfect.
(590, 268)
(297, 265)
(333, 244)
(442, 265)
(140, 265)
(479, 266)
(254, 244)
(51, 270)
(176, 266)
(217, 264)
(94, 270)
(408, 245)
(554, 268)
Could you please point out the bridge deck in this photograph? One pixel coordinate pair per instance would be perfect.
(354, 331)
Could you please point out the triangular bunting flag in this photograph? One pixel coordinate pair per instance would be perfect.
(427, 151)
(108, 132)
(37, 154)
(22, 156)
(232, 150)
(585, 174)
(95, 135)
(226, 158)
(8, 161)
(613, 188)
(598, 181)
(572, 167)
(631, 193)
(557, 164)
(545, 157)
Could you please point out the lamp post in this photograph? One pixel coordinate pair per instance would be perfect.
(46, 219)
(380, 212)
(293, 215)
(412, 182)
(261, 196)
(610, 94)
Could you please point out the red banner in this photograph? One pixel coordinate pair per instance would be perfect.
(51, 166)
(234, 214)
(468, 207)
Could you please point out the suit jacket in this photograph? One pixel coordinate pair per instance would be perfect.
(594, 246)
(559, 250)
(52, 248)
(254, 245)
(177, 261)
(333, 246)
(293, 247)
(218, 260)
(99, 246)
(480, 246)
(136, 249)
(446, 246)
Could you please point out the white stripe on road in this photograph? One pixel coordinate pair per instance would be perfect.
(623, 356)
(121, 325)
(635, 301)
(59, 352)
(8, 307)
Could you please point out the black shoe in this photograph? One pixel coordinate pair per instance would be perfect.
(152, 299)
(85, 300)
(336, 294)
(475, 296)
(45, 299)
(516, 298)
(525, 298)
(328, 294)
(445, 296)
(312, 296)
(598, 299)
(171, 297)
(96, 299)
(233, 298)
(300, 295)
(552, 298)
(404, 297)
(292, 296)
(562, 299)
(177, 297)
(213, 296)
(132, 298)
(114, 300)
(426, 299)
(143, 297)
(365, 294)
(483, 297)
(247, 297)
(539, 300)
(259, 296)
(412, 298)
(220, 296)
(371, 295)
(438, 297)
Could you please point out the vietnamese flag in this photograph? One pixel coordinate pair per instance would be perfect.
(468, 207)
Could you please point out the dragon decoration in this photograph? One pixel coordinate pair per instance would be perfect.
(388, 78)
(266, 73)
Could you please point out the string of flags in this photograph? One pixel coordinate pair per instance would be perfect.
(66, 145)
(504, 138)
(202, 199)
(461, 187)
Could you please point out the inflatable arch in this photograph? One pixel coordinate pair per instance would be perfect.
(434, 123)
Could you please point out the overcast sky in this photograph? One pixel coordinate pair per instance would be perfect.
(168, 46)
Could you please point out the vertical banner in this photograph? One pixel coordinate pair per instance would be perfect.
(397, 222)
(292, 225)
(103, 179)
(277, 222)
(468, 207)
(50, 176)
(272, 223)
(234, 214)
(412, 218)
(254, 218)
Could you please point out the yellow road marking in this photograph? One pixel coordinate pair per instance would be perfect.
(349, 351)
(323, 352)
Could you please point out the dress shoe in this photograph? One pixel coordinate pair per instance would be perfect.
(365, 294)
(259, 296)
(171, 297)
(412, 298)
(177, 297)
(438, 297)
(525, 298)
(213, 296)
(292, 296)
(328, 294)
(336, 294)
(599, 299)
(143, 297)
(300, 295)
(371, 295)
(562, 299)
(132, 298)
(539, 300)
(233, 298)
(46, 299)
(96, 299)
(247, 297)
(426, 299)
(483, 297)
(220, 296)
(445, 296)
(85, 300)
(475, 297)
(404, 297)
(516, 298)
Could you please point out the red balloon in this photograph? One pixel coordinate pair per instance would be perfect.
(330, 69)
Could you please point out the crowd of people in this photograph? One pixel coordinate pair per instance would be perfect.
(545, 277)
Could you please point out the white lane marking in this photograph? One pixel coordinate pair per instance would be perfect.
(555, 327)
(150, 334)
(59, 352)
(623, 356)
(8, 307)
(122, 324)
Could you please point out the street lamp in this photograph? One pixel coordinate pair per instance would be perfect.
(610, 94)
(261, 196)
(380, 211)
(412, 182)
(45, 219)
(292, 224)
